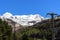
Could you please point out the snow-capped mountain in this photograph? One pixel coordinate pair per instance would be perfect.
(24, 20)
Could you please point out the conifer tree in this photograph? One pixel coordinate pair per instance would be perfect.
(5, 30)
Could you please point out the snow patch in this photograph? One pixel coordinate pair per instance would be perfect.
(24, 20)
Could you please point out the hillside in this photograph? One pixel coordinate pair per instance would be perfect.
(40, 31)
(48, 23)
(5, 30)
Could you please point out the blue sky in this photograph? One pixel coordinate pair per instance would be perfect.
(25, 7)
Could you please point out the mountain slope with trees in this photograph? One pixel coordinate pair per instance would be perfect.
(39, 31)
(5, 30)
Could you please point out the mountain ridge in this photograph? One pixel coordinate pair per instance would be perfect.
(24, 20)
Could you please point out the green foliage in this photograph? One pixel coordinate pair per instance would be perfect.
(24, 37)
(37, 30)
(25, 33)
(40, 29)
(5, 30)
(32, 31)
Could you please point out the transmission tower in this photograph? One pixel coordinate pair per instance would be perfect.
(53, 28)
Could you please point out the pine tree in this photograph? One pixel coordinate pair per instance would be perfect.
(5, 30)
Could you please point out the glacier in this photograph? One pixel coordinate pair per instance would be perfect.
(24, 20)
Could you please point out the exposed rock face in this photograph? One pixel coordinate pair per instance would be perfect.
(15, 26)
(18, 21)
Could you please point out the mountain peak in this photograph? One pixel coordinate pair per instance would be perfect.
(7, 14)
(27, 20)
